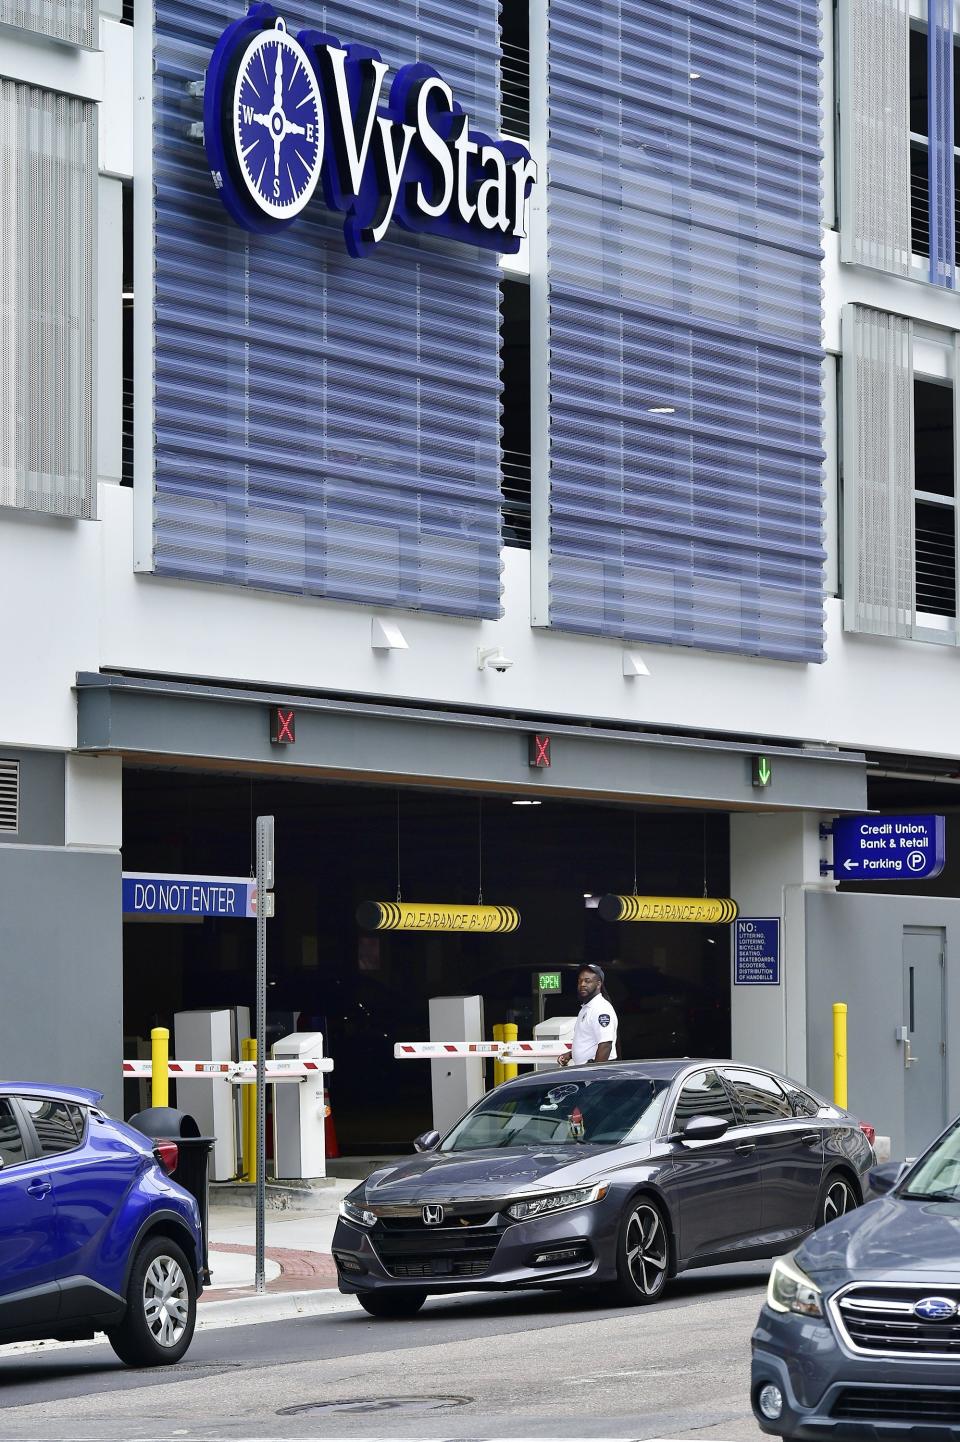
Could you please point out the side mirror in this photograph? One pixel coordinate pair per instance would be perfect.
(884, 1178)
(701, 1129)
(426, 1142)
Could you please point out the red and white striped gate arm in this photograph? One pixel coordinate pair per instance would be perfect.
(519, 1051)
(236, 1072)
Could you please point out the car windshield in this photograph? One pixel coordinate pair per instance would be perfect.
(602, 1111)
(937, 1178)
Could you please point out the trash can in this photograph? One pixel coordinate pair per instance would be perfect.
(166, 1124)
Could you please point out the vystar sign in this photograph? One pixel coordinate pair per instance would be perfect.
(282, 114)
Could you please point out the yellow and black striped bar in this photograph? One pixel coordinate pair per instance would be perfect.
(703, 910)
(436, 916)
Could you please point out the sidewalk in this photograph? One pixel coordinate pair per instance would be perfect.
(297, 1246)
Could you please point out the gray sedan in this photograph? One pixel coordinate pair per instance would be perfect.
(860, 1334)
(617, 1175)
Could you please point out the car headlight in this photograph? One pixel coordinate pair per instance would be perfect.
(791, 1290)
(360, 1217)
(556, 1202)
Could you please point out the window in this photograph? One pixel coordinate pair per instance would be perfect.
(934, 498)
(760, 1096)
(704, 1095)
(515, 68)
(515, 356)
(58, 1124)
(11, 1142)
(919, 145)
(803, 1104)
(607, 1111)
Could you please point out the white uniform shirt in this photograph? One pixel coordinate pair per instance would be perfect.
(596, 1023)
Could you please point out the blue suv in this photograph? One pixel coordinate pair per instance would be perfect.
(94, 1236)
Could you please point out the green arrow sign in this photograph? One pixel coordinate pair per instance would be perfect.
(762, 771)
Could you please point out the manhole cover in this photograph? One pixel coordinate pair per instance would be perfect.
(376, 1404)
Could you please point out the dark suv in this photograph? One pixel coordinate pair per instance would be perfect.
(94, 1236)
(860, 1334)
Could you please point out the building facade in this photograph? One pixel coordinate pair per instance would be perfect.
(582, 379)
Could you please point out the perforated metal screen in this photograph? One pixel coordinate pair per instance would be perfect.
(325, 425)
(73, 20)
(878, 473)
(685, 399)
(875, 133)
(48, 176)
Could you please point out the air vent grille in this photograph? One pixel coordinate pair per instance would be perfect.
(9, 795)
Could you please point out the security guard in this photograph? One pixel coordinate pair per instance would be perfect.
(595, 1034)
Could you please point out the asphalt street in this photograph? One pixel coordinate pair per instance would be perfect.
(523, 1365)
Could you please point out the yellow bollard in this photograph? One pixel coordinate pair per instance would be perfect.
(497, 1065)
(510, 1033)
(840, 1054)
(248, 1052)
(159, 1066)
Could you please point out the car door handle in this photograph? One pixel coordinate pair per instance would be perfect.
(810, 1139)
(745, 1147)
(39, 1188)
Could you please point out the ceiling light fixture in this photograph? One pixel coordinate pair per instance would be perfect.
(662, 410)
(694, 74)
(526, 803)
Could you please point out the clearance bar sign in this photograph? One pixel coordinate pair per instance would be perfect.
(436, 916)
(705, 910)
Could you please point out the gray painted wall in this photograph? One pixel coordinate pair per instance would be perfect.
(855, 954)
(42, 781)
(61, 968)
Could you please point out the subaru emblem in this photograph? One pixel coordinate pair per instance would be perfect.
(935, 1309)
(433, 1216)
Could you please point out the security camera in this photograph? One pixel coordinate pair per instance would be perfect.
(492, 658)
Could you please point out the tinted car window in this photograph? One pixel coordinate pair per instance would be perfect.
(11, 1142)
(760, 1096)
(703, 1095)
(53, 1124)
(803, 1105)
(607, 1111)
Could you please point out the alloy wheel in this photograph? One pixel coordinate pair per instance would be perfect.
(838, 1201)
(646, 1249)
(166, 1301)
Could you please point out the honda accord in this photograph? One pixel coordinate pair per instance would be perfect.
(618, 1175)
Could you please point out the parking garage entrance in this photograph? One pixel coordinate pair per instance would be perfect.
(338, 845)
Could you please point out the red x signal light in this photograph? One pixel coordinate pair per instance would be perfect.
(283, 726)
(540, 752)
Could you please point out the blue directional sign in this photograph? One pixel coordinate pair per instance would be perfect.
(888, 848)
(756, 951)
(146, 894)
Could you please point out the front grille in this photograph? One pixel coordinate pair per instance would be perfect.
(419, 1251)
(879, 1320)
(897, 1404)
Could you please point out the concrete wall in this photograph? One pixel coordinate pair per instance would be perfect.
(855, 954)
(61, 964)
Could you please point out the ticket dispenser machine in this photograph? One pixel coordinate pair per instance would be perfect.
(555, 1028)
(299, 1112)
(456, 1084)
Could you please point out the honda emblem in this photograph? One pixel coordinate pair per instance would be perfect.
(432, 1216)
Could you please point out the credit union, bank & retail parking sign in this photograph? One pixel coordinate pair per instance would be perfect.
(888, 848)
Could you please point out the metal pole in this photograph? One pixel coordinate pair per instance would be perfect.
(264, 883)
(159, 1066)
(840, 1054)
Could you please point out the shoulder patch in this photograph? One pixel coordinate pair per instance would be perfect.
(604, 1018)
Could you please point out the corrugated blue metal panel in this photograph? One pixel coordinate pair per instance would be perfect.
(685, 313)
(940, 133)
(324, 425)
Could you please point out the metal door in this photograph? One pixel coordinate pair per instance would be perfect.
(924, 1050)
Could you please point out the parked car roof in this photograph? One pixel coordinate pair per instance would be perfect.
(52, 1089)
